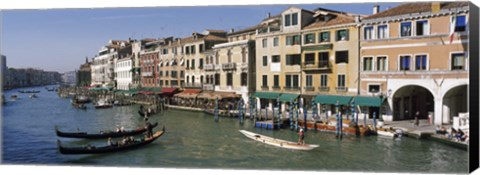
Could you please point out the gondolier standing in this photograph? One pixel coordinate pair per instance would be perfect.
(301, 136)
(149, 129)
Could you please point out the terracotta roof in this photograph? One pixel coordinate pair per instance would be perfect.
(335, 20)
(215, 38)
(415, 8)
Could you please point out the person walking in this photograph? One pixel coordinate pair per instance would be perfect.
(417, 115)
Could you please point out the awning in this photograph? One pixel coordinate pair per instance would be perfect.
(288, 97)
(189, 93)
(150, 90)
(205, 95)
(332, 99)
(172, 61)
(267, 95)
(368, 101)
(99, 89)
(168, 91)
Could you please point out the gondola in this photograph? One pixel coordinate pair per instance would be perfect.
(142, 113)
(102, 135)
(106, 149)
(22, 91)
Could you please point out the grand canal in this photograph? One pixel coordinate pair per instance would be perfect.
(194, 140)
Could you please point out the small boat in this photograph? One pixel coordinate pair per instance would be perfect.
(102, 134)
(106, 149)
(142, 113)
(103, 104)
(79, 105)
(33, 96)
(278, 142)
(445, 140)
(13, 97)
(388, 134)
(81, 99)
(28, 91)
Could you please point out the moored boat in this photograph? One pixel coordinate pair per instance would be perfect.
(28, 91)
(102, 134)
(347, 128)
(278, 142)
(445, 140)
(103, 104)
(106, 149)
(387, 134)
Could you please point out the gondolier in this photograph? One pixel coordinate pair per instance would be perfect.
(301, 136)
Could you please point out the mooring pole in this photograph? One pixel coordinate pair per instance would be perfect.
(216, 110)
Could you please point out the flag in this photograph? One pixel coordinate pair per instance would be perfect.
(452, 28)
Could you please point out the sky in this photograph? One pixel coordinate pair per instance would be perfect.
(61, 39)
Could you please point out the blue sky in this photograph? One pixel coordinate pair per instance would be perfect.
(60, 39)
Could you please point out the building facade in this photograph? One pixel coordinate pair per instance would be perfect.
(149, 58)
(415, 55)
(172, 64)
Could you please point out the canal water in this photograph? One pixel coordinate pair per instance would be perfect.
(194, 140)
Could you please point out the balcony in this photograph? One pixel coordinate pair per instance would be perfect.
(323, 88)
(209, 67)
(309, 88)
(208, 87)
(229, 66)
(147, 74)
(312, 66)
(341, 89)
(291, 88)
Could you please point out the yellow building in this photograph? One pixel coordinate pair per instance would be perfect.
(416, 56)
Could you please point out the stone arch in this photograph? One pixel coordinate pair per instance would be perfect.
(411, 98)
(454, 102)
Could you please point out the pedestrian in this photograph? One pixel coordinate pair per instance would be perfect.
(417, 115)
(301, 137)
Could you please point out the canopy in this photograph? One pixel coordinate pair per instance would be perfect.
(288, 97)
(368, 101)
(189, 93)
(168, 91)
(332, 99)
(267, 95)
(100, 89)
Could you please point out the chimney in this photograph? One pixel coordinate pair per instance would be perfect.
(435, 7)
(376, 9)
(268, 15)
(232, 30)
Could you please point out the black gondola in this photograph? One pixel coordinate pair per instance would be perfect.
(106, 149)
(102, 135)
(22, 91)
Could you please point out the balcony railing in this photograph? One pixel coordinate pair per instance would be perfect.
(321, 65)
(208, 87)
(323, 88)
(309, 88)
(229, 66)
(209, 67)
(341, 89)
(147, 74)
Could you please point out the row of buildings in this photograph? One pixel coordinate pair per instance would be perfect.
(26, 77)
(407, 59)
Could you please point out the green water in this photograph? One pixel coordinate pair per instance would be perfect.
(194, 140)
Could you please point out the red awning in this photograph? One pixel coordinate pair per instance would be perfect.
(168, 91)
(192, 91)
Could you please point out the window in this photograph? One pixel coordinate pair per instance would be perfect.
(275, 42)
(289, 40)
(160, 73)
(229, 79)
(310, 38)
(181, 73)
(323, 59)
(160, 82)
(293, 59)
(323, 80)
(296, 40)
(217, 79)
(193, 64)
(368, 64)
(341, 81)
(244, 55)
(460, 23)
(243, 78)
(374, 88)
(276, 83)
(188, 79)
(294, 19)
(309, 58)
(291, 19)
(166, 73)
(342, 35)
(405, 62)
(421, 62)
(193, 49)
(265, 61)
(193, 80)
(341, 57)
(288, 81)
(309, 80)
(293, 40)
(295, 81)
(324, 37)
(406, 29)
(174, 73)
(166, 82)
(188, 63)
(287, 20)
(264, 81)
(381, 63)
(201, 63)
(174, 83)
(187, 49)
(201, 48)
(264, 43)
(275, 58)
(422, 28)
(368, 33)
(382, 32)
(458, 61)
